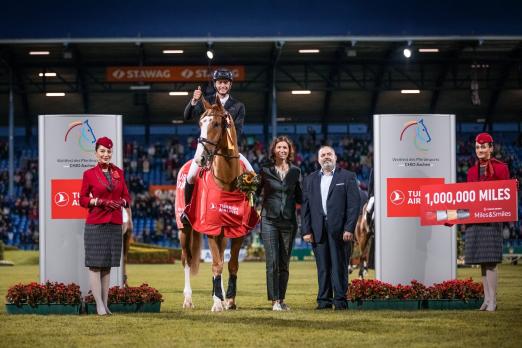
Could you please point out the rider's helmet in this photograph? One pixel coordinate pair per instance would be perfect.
(223, 74)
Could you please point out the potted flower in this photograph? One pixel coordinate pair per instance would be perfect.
(48, 298)
(455, 294)
(451, 294)
(129, 299)
(374, 294)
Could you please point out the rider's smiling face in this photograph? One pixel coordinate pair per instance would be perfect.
(223, 87)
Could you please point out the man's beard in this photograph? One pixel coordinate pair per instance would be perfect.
(327, 166)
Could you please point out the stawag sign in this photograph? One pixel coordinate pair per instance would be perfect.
(166, 73)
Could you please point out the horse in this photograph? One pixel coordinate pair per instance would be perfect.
(127, 228)
(190, 240)
(364, 235)
(217, 154)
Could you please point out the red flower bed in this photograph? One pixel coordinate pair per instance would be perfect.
(452, 289)
(35, 294)
(141, 294)
(456, 289)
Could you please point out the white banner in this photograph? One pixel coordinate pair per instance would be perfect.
(66, 149)
(411, 151)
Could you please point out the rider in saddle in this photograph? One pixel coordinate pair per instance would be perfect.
(223, 79)
(222, 84)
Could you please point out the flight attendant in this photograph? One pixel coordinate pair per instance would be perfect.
(483, 244)
(104, 193)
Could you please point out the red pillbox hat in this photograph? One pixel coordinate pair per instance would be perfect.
(483, 138)
(104, 141)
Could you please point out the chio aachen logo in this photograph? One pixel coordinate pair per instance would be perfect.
(422, 135)
(86, 137)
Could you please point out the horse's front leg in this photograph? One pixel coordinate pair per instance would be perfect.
(233, 267)
(184, 237)
(217, 248)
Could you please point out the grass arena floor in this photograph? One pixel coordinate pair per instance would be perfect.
(254, 324)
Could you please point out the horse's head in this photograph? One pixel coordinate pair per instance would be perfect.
(88, 133)
(217, 132)
(422, 132)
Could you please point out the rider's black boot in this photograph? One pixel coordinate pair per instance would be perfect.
(189, 188)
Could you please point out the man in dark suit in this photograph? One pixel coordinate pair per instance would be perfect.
(330, 209)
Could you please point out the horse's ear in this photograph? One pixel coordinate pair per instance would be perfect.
(218, 102)
(206, 104)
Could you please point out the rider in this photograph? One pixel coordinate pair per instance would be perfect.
(222, 84)
(223, 79)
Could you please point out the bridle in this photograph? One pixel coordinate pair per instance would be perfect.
(208, 155)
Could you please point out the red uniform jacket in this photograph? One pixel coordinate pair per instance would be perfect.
(95, 185)
(500, 171)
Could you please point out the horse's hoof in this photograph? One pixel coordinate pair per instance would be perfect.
(230, 305)
(187, 304)
(218, 306)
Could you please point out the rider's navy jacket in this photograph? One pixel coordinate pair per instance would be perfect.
(233, 106)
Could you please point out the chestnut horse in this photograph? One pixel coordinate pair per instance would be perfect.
(364, 235)
(217, 152)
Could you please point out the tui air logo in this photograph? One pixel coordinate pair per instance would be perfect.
(397, 197)
(85, 135)
(61, 199)
(422, 136)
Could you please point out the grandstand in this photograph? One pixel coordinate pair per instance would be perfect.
(350, 66)
(157, 163)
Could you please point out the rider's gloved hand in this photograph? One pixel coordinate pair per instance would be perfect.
(196, 96)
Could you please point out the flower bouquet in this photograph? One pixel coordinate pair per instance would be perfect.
(248, 183)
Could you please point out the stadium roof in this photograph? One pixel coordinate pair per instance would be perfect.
(351, 77)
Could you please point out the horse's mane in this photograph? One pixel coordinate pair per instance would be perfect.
(216, 106)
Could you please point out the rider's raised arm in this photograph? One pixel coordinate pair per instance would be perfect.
(193, 111)
(194, 108)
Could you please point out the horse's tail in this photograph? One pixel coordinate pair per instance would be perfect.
(195, 251)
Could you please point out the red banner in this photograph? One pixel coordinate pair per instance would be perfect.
(166, 73)
(403, 195)
(65, 198)
(472, 202)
